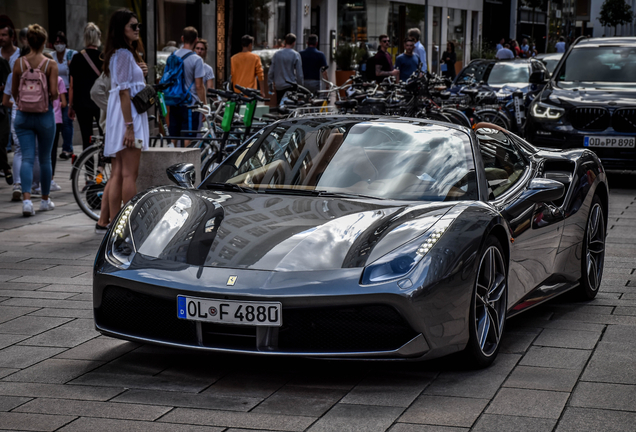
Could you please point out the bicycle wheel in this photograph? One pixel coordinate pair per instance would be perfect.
(437, 116)
(457, 117)
(90, 174)
(494, 117)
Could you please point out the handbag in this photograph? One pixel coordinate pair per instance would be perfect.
(145, 99)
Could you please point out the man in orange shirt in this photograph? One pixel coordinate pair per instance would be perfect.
(246, 66)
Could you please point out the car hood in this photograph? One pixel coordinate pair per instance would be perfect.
(594, 96)
(274, 231)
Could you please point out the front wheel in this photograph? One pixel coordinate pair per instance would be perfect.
(488, 306)
(593, 256)
(493, 116)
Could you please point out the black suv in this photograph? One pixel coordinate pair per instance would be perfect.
(590, 101)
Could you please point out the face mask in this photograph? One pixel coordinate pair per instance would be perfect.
(59, 47)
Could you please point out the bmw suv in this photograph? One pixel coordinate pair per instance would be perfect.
(590, 101)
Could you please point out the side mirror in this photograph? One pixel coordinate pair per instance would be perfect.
(542, 189)
(538, 77)
(183, 174)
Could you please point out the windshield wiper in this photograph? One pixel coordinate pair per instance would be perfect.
(230, 186)
(319, 193)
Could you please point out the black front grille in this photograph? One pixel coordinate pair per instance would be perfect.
(590, 119)
(135, 314)
(624, 120)
(360, 328)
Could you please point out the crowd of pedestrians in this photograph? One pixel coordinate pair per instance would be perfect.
(511, 49)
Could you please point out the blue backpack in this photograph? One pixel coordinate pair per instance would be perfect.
(173, 74)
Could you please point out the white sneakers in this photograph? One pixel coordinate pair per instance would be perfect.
(46, 205)
(27, 208)
(55, 187)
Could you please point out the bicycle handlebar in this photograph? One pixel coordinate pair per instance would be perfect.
(161, 87)
(251, 93)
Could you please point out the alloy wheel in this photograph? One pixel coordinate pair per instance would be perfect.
(595, 250)
(490, 301)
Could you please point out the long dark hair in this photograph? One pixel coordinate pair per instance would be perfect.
(117, 39)
(452, 47)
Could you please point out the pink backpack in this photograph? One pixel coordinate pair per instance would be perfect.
(33, 91)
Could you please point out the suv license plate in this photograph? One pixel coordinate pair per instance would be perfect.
(230, 311)
(617, 142)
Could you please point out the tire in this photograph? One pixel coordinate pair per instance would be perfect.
(488, 306)
(494, 117)
(86, 182)
(457, 117)
(593, 251)
(437, 116)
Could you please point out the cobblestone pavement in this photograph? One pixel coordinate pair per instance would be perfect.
(564, 366)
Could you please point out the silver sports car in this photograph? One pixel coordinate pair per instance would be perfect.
(355, 236)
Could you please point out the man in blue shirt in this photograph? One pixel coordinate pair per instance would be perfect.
(407, 62)
(313, 60)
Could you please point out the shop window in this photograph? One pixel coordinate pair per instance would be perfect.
(100, 12)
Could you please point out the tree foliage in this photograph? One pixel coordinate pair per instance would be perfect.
(615, 12)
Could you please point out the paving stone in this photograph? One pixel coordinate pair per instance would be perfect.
(31, 325)
(19, 286)
(43, 303)
(93, 409)
(67, 335)
(7, 313)
(363, 418)
(36, 294)
(605, 396)
(7, 403)
(63, 313)
(528, 403)
(490, 422)
(594, 420)
(58, 391)
(407, 427)
(388, 389)
(574, 325)
(33, 422)
(541, 378)
(561, 358)
(103, 349)
(109, 425)
(444, 411)
(7, 371)
(612, 362)
(248, 384)
(190, 400)
(17, 356)
(149, 382)
(567, 339)
(68, 288)
(303, 401)
(481, 384)
(620, 334)
(240, 420)
(10, 339)
(54, 371)
(516, 342)
(80, 280)
(629, 310)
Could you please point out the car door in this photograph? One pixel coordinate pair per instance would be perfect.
(536, 227)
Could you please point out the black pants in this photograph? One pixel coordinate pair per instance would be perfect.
(58, 131)
(85, 117)
(279, 95)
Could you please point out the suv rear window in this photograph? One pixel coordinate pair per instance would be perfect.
(601, 65)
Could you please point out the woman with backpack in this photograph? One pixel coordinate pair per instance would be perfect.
(126, 130)
(34, 87)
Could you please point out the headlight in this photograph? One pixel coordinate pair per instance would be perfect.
(402, 260)
(545, 111)
(120, 248)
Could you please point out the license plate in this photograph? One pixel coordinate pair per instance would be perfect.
(618, 142)
(230, 311)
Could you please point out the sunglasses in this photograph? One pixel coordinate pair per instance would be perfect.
(135, 26)
(385, 41)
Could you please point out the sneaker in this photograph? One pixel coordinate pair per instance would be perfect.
(17, 193)
(65, 155)
(46, 205)
(27, 208)
(100, 229)
(55, 187)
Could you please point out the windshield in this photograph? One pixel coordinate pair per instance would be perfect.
(495, 73)
(377, 159)
(551, 64)
(604, 66)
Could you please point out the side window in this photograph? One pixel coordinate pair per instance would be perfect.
(503, 162)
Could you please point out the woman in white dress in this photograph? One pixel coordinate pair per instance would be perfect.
(126, 130)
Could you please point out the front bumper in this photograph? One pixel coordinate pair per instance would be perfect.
(321, 318)
(560, 135)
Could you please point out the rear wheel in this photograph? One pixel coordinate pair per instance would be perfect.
(494, 117)
(488, 306)
(457, 117)
(90, 174)
(593, 254)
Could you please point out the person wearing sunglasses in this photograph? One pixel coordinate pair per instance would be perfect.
(384, 61)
